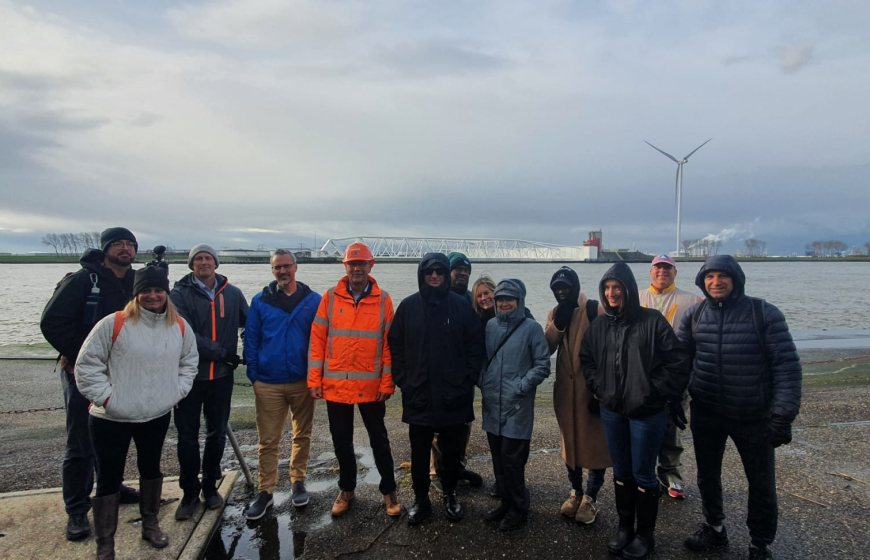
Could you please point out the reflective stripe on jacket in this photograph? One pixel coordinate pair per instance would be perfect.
(349, 356)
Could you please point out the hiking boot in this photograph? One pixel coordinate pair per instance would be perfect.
(187, 506)
(474, 480)
(129, 495)
(452, 508)
(512, 521)
(587, 512)
(569, 506)
(299, 497)
(213, 501)
(675, 491)
(77, 527)
(341, 503)
(497, 513)
(759, 553)
(391, 505)
(707, 538)
(419, 512)
(258, 507)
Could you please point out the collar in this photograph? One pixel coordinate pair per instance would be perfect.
(669, 289)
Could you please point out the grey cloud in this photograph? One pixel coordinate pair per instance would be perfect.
(439, 58)
(795, 57)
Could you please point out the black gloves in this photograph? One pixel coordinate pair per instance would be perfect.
(594, 406)
(778, 431)
(232, 361)
(563, 312)
(678, 415)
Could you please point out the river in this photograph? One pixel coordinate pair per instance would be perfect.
(826, 304)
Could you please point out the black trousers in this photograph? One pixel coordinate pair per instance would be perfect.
(710, 432)
(111, 442)
(451, 440)
(509, 458)
(341, 428)
(211, 399)
(78, 459)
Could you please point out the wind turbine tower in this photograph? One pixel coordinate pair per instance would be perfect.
(679, 186)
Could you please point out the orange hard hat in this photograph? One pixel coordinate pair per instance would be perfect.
(358, 251)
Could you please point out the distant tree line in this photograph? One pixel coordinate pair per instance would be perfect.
(705, 247)
(72, 243)
(829, 248)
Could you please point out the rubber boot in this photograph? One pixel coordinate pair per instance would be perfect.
(647, 512)
(625, 492)
(105, 524)
(149, 507)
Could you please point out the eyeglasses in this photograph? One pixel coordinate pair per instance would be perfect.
(283, 266)
(438, 271)
(125, 244)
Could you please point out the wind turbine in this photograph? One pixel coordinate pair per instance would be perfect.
(679, 187)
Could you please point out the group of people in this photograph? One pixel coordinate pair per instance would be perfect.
(132, 350)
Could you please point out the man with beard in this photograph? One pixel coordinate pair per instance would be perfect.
(277, 334)
(102, 286)
(436, 349)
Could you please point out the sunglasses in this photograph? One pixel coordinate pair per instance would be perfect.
(438, 271)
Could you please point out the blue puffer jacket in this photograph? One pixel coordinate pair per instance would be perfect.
(738, 372)
(276, 340)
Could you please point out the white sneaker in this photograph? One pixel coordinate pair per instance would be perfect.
(586, 512)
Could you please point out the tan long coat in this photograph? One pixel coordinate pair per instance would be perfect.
(583, 443)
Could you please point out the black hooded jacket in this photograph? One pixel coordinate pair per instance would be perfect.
(437, 350)
(743, 367)
(632, 360)
(67, 318)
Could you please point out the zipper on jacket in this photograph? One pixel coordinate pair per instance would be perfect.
(721, 403)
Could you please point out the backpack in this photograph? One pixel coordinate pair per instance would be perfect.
(119, 324)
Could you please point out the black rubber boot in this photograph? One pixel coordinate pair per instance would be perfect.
(105, 524)
(149, 507)
(625, 492)
(647, 512)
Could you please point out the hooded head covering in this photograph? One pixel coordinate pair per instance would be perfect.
(433, 260)
(511, 288)
(202, 248)
(110, 235)
(152, 276)
(728, 265)
(567, 277)
(630, 297)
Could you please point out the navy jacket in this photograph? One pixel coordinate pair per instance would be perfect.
(737, 371)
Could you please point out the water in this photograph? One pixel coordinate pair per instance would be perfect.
(826, 304)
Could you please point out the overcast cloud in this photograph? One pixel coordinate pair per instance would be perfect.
(267, 122)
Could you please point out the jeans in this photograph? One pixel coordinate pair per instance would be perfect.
(112, 441)
(509, 458)
(341, 428)
(78, 460)
(212, 399)
(452, 443)
(710, 432)
(634, 445)
(273, 400)
(594, 480)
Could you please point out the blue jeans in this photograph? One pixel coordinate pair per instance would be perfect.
(634, 445)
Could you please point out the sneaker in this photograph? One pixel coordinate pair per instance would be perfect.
(675, 491)
(299, 497)
(569, 506)
(391, 505)
(587, 512)
(759, 553)
(341, 503)
(214, 501)
(77, 527)
(187, 506)
(260, 506)
(707, 538)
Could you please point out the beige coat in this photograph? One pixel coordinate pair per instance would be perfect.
(583, 443)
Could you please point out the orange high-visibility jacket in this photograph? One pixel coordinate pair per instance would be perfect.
(349, 356)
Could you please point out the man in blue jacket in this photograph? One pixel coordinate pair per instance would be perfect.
(216, 310)
(276, 351)
(746, 385)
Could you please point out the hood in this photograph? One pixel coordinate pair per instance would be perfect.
(92, 257)
(621, 273)
(566, 275)
(514, 288)
(429, 260)
(728, 265)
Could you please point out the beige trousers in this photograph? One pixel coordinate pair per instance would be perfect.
(272, 402)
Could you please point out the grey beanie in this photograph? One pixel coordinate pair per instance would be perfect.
(202, 248)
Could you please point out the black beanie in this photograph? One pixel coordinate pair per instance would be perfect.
(113, 234)
(152, 276)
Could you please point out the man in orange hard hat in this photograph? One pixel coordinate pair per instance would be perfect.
(353, 321)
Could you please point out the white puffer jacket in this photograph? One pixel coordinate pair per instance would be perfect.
(148, 369)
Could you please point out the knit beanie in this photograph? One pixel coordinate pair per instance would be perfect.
(458, 259)
(202, 248)
(111, 235)
(152, 276)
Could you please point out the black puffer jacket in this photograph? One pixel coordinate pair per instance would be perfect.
(67, 319)
(215, 323)
(437, 351)
(633, 362)
(737, 371)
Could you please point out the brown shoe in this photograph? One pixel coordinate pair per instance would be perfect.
(341, 503)
(391, 504)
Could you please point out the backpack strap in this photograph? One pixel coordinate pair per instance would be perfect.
(697, 317)
(591, 309)
(758, 321)
(181, 326)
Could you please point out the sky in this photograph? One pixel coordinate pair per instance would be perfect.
(265, 123)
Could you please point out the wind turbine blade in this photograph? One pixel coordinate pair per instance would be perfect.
(664, 152)
(696, 149)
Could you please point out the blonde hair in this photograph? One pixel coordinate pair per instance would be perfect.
(133, 309)
(483, 280)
